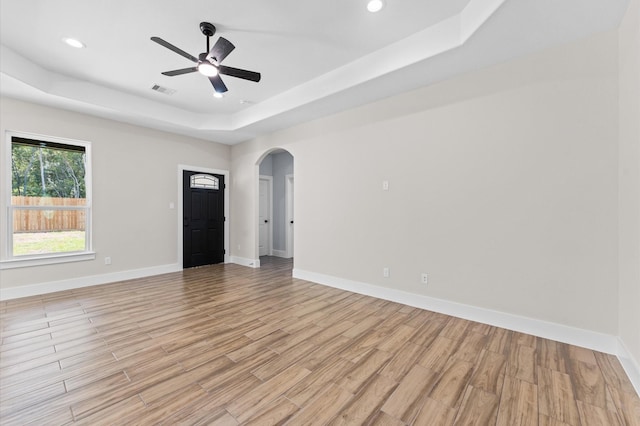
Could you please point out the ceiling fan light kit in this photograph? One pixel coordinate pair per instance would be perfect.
(209, 63)
(208, 69)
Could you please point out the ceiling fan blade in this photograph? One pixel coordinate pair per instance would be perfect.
(180, 72)
(239, 73)
(218, 84)
(170, 46)
(221, 49)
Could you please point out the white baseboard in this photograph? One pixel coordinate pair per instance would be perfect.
(562, 333)
(252, 263)
(630, 365)
(53, 286)
(88, 281)
(558, 332)
(279, 253)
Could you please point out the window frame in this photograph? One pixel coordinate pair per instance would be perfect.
(8, 260)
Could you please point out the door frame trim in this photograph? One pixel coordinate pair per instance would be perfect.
(269, 180)
(225, 173)
(289, 199)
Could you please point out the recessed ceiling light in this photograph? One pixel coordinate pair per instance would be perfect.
(217, 95)
(375, 5)
(74, 43)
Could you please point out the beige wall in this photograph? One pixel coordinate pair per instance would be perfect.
(507, 185)
(503, 188)
(135, 177)
(629, 175)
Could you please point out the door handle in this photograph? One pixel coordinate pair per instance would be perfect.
(266, 221)
(291, 222)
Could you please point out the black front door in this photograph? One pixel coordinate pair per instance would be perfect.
(203, 217)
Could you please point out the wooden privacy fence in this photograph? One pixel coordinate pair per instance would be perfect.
(40, 220)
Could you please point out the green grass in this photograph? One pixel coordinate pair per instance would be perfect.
(30, 243)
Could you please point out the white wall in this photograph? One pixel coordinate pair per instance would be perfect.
(629, 181)
(135, 177)
(503, 187)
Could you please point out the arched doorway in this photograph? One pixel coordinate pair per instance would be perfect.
(275, 206)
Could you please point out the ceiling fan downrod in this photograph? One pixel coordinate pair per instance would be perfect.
(208, 29)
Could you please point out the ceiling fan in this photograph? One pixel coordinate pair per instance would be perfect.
(208, 63)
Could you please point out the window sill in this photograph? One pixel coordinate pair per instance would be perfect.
(47, 260)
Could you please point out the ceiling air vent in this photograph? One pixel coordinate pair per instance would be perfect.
(164, 90)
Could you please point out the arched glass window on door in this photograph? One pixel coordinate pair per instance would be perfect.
(205, 182)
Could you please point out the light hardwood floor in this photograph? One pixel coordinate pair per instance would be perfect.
(228, 345)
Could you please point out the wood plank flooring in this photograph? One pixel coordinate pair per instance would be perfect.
(227, 345)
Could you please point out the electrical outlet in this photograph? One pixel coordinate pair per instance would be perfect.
(385, 185)
(385, 272)
(424, 278)
(107, 261)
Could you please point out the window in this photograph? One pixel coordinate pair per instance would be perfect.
(49, 208)
(205, 182)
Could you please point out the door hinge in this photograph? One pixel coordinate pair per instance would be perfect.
(224, 251)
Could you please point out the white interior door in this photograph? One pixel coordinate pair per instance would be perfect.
(264, 216)
(289, 207)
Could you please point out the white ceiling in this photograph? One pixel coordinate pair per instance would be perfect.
(316, 58)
